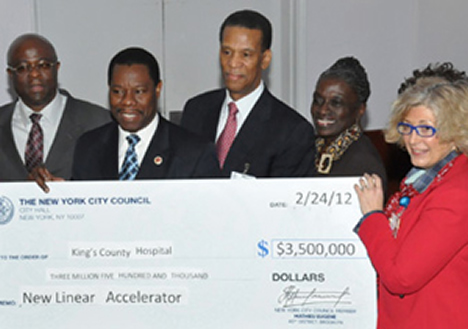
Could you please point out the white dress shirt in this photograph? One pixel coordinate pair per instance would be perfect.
(145, 134)
(51, 115)
(244, 105)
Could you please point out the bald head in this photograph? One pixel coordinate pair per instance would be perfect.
(33, 70)
(30, 39)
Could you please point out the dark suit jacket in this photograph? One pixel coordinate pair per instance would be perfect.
(78, 117)
(274, 141)
(183, 154)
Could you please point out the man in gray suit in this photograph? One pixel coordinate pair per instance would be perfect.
(33, 68)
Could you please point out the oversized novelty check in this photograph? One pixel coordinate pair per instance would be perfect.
(209, 254)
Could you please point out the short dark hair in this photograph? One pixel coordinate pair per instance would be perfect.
(350, 70)
(251, 20)
(440, 70)
(132, 56)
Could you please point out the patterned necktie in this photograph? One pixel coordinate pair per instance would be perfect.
(34, 154)
(130, 168)
(227, 136)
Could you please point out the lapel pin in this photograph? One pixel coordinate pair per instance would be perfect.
(158, 160)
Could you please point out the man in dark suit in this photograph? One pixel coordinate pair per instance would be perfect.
(33, 68)
(266, 138)
(162, 149)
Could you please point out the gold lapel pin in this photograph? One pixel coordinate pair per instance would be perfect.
(158, 160)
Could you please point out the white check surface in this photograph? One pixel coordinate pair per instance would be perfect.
(184, 254)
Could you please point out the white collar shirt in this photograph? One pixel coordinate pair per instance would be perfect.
(244, 105)
(146, 135)
(51, 116)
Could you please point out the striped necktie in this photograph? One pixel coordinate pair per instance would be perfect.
(130, 167)
(34, 153)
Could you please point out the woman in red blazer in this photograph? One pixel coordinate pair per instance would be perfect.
(418, 243)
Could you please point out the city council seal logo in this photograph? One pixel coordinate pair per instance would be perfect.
(6, 210)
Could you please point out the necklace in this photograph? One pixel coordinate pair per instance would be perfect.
(333, 152)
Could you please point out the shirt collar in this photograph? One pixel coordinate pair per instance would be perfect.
(50, 113)
(145, 134)
(246, 103)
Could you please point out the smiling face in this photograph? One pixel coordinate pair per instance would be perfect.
(242, 60)
(133, 96)
(425, 152)
(334, 108)
(37, 87)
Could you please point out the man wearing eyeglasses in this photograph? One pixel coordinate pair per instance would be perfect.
(39, 130)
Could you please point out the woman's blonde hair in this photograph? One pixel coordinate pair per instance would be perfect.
(447, 100)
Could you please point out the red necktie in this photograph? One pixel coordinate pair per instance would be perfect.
(35, 146)
(227, 136)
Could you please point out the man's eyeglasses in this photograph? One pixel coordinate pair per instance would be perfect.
(41, 66)
(422, 130)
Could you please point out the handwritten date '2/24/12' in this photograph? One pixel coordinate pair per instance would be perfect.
(329, 199)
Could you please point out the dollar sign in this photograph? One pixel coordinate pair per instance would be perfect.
(263, 246)
(280, 249)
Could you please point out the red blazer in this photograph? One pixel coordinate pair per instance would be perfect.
(424, 271)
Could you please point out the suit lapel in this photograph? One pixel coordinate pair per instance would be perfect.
(13, 168)
(68, 130)
(157, 159)
(210, 121)
(250, 133)
(110, 153)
